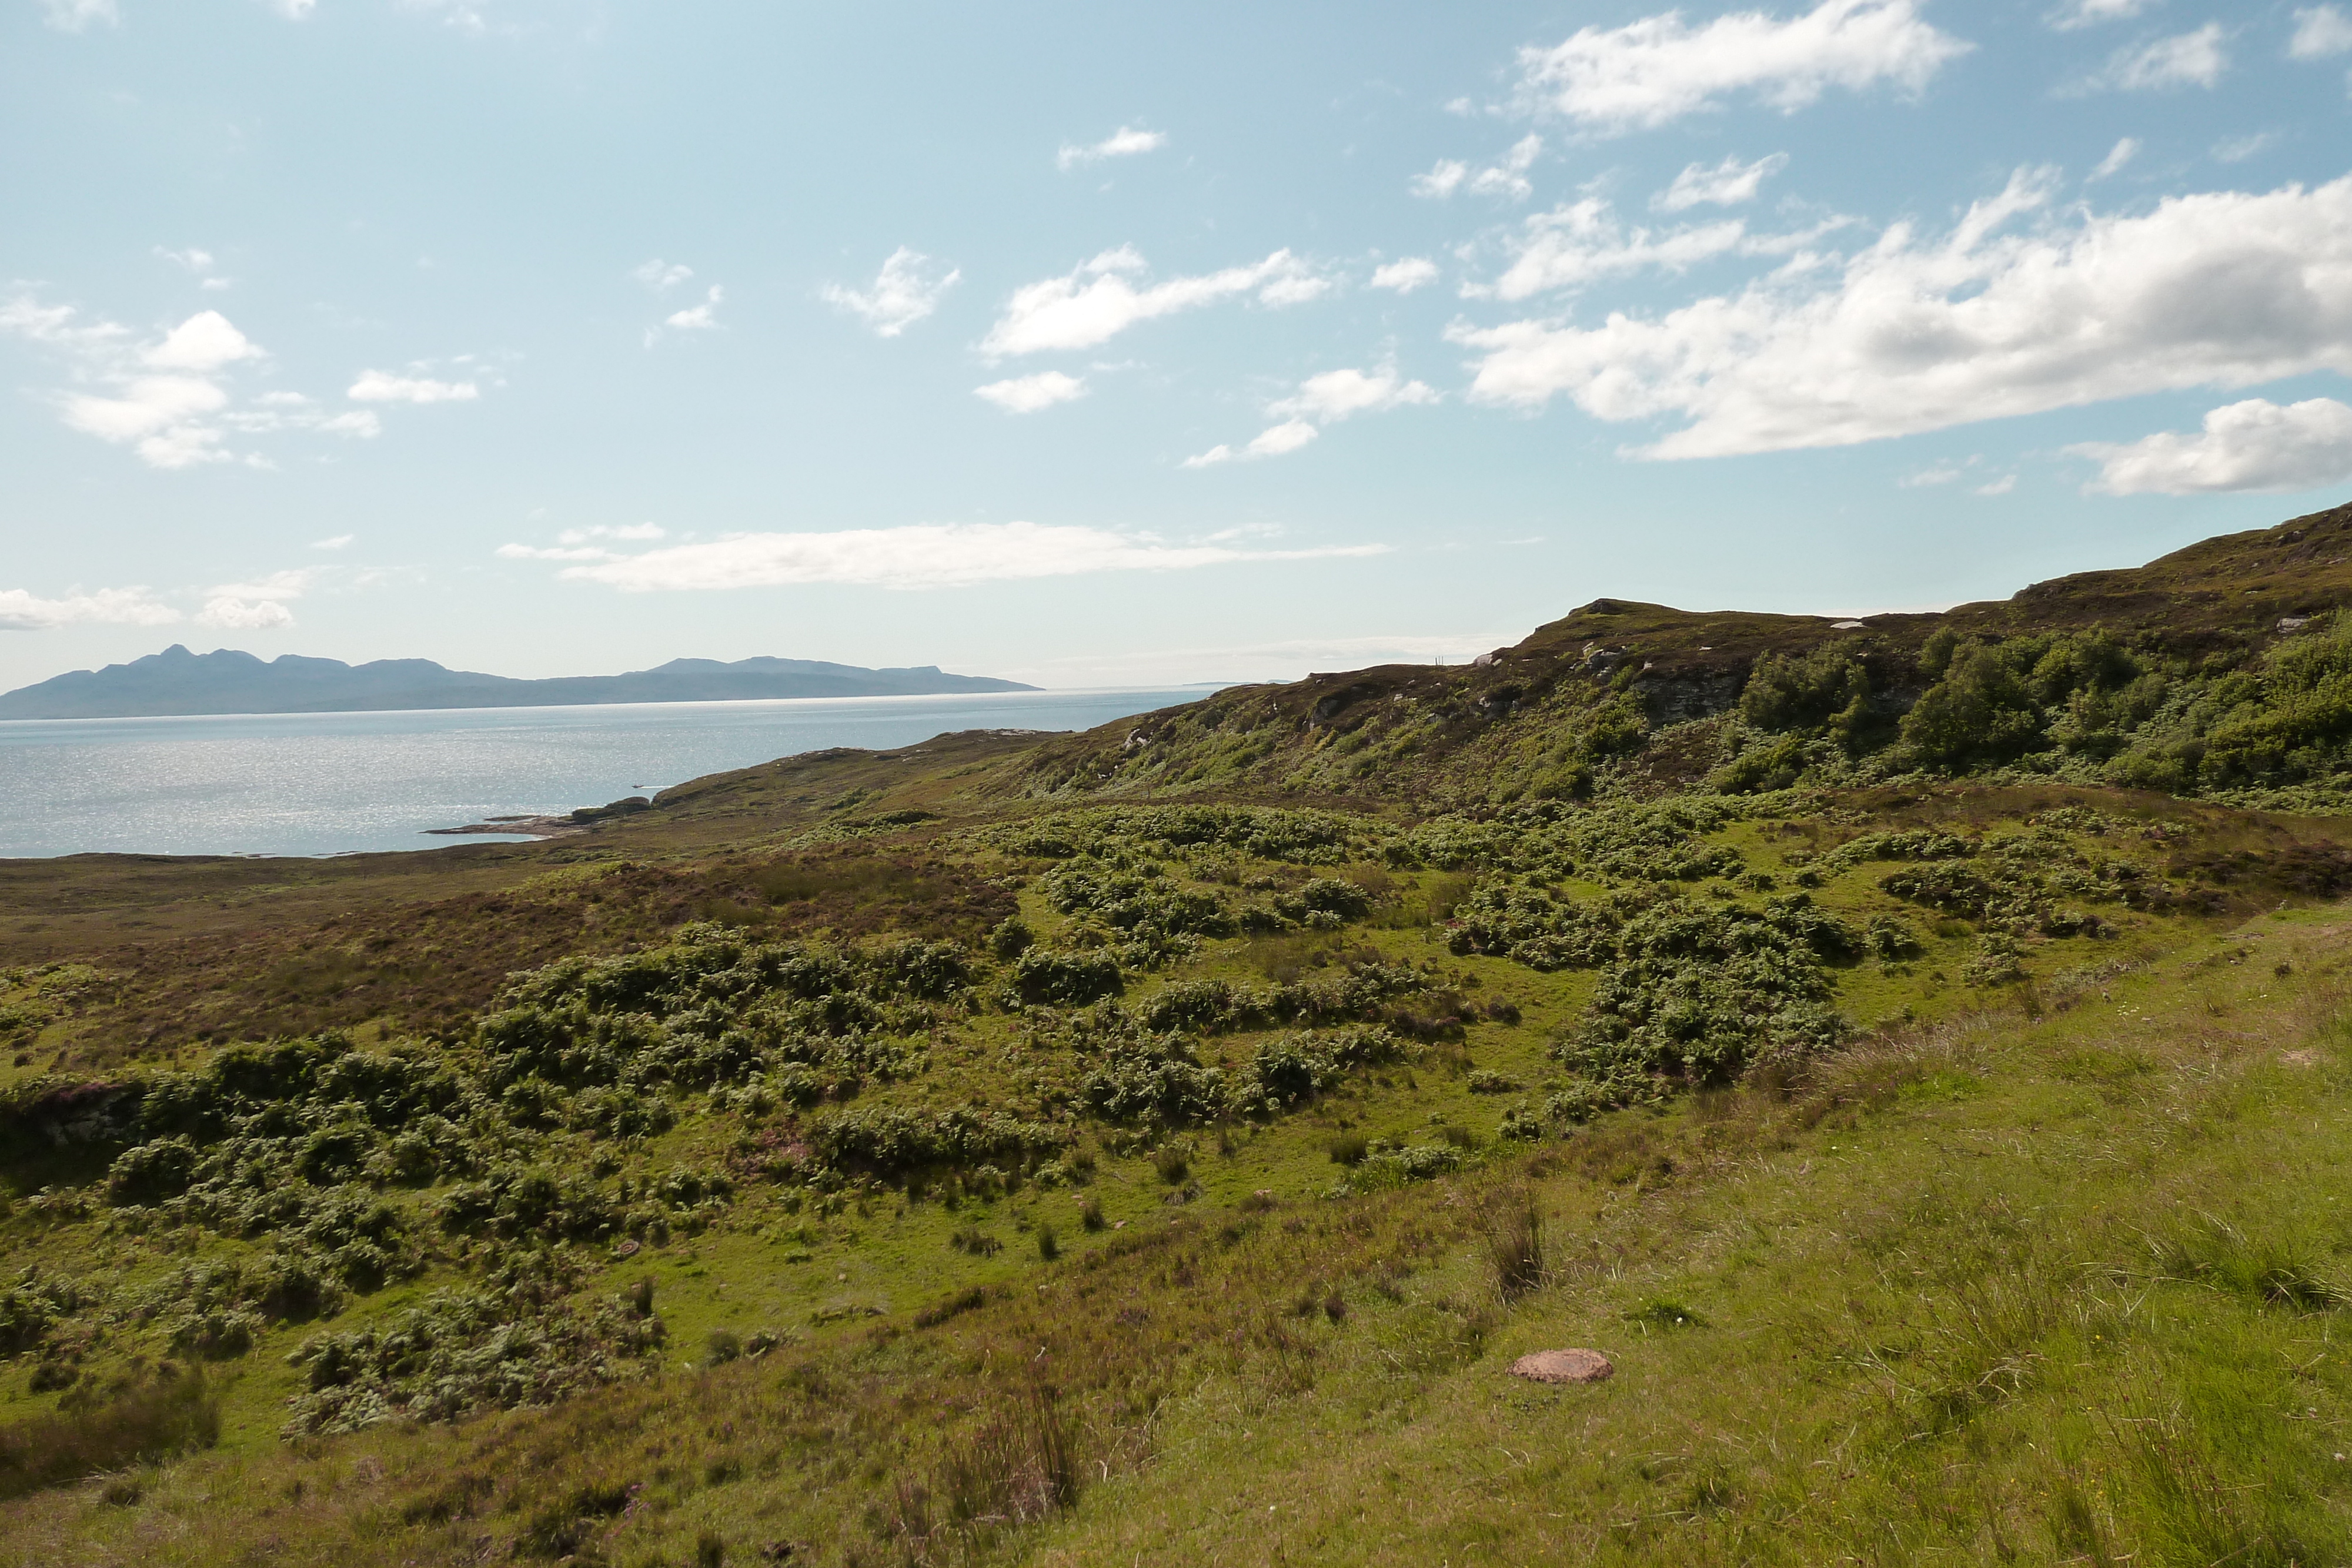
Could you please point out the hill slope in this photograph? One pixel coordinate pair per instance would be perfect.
(176, 681)
(859, 1159)
(2212, 669)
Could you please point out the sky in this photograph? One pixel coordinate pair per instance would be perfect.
(1122, 345)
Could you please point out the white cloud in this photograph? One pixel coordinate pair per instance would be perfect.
(2191, 59)
(578, 544)
(203, 343)
(1099, 300)
(1324, 399)
(73, 16)
(2001, 487)
(2321, 32)
(383, 386)
(661, 276)
(2224, 288)
(169, 400)
(289, 584)
(2123, 152)
(293, 10)
(1027, 394)
(244, 615)
(1936, 474)
(1727, 184)
(1506, 179)
(148, 404)
(1651, 72)
(1405, 275)
(466, 16)
(1442, 181)
(1125, 143)
(613, 531)
(2245, 446)
(943, 555)
(341, 541)
(159, 398)
(702, 318)
(2080, 14)
(1275, 441)
(2238, 149)
(23, 612)
(908, 288)
(552, 553)
(1334, 395)
(1581, 242)
(194, 259)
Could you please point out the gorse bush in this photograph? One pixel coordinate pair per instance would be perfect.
(1701, 994)
(464, 1351)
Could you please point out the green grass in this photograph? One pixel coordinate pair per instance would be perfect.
(1953, 1297)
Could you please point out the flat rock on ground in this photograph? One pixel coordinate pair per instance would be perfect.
(1563, 1366)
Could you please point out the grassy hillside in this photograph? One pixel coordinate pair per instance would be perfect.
(1158, 1144)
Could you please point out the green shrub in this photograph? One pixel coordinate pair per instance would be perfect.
(1066, 980)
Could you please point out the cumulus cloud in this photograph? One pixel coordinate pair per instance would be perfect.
(908, 288)
(73, 16)
(2321, 32)
(1581, 242)
(2189, 60)
(1656, 70)
(1320, 399)
(1506, 179)
(1275, 441)
(1442, 181)
(21, 611)
(244, 615)
(203, 343)
(386, 386)
(1727, 184)
(1125, 143)
(258, 605)
(2080, 14)
(1405, 274)
(1027, 394)
(2225, 288)
(1334, 395)
(926, 556)
(581, 544)
(341, 541)
(702, 318)
(661, 276)
(2123, 152)
(196, 260)
(2254, 445)
(167, 398)
(1102, 299)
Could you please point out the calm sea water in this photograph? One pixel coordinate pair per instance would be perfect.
(321, 784)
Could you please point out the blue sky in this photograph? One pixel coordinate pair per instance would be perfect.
(1123, 344)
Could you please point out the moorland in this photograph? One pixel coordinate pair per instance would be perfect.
(1916, 1051)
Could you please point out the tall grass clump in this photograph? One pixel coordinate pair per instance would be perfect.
(1515, 1248)
(1018, 1466)
(150, 1423)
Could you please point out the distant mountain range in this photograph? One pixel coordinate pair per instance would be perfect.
(226, 680)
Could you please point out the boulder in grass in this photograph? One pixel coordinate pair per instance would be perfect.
(1563, 1366)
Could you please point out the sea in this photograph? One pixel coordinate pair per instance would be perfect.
(346, 783)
